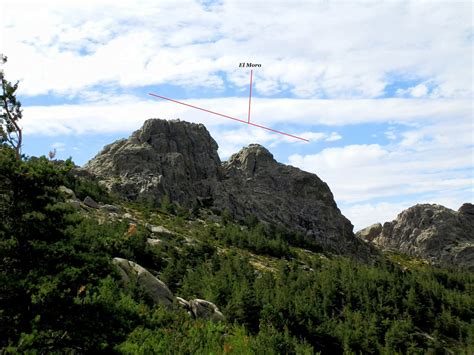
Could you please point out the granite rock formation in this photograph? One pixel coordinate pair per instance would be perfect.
(180, 160)
(432, 232)
(173, 158)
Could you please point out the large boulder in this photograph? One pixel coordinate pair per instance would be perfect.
(180, 160)
(432, 232)
(134, 275)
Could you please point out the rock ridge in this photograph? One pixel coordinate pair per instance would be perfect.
(432, 232)
(179, 159)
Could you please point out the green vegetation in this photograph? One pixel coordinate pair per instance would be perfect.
(60, 294)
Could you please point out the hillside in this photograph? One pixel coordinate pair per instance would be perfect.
(86, 271)
(179, 160)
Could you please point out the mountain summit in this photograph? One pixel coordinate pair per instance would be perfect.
(179, 159)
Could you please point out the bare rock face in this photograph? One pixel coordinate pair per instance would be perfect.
(255, 183)
(371, 232)
(173, 158)
(432, 232)
(180, 159)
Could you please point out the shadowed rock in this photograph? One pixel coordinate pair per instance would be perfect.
(432, 232)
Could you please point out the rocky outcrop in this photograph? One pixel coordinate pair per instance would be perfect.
(135, 275)
(371, 232)
(255, 183)
(201, 309)
(432, 232)
(179, 159)
(173, 158)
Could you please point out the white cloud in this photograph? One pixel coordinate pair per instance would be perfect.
(125, 113)
(334, 136)
(365, 214)
(434, 159)
(337, 49)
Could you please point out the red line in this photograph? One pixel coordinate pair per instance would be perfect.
(232, 118)
(250, 95)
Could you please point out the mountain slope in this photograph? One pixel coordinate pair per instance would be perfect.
(179, 160)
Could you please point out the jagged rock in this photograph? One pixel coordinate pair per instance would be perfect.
(89, 202)
(255, 183)
(135, 275)
(432, 232)
(179, 159)
(128, 216)
(205, 310)
(371, 232)
(67, 192)
(110, 208)
(173, 158)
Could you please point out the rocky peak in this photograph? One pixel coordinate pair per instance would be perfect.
(251, 159)
(173, 158)
(467, 209)
(432, 232)
(179, 159)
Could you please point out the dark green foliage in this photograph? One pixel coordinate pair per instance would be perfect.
(255, 238)
(59, 293)
(10, 114)
(86, 186)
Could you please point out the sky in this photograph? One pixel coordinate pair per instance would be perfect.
(383, 90)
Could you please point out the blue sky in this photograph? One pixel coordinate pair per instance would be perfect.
(383, 90)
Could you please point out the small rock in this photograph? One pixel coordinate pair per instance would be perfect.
(110, 208)
(68, 192)
(127, 216)
(154, 241)
(159, 230)
(88, 201)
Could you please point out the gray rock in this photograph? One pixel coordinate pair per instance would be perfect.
(159, 230)
(110, 208)
(432, 232)
(180, 160)
(128, 216)
(135, 275)
(173, 158)
(371, 232)
(254, 183)
(89, 202)
(205, 310)
(154, 241)
(67, 192)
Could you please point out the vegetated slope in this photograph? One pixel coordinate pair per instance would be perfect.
(429, 231)
(179, 160)
(60, 293)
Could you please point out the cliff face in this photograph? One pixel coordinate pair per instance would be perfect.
(180, 159)
(173, 158)
(432, 232)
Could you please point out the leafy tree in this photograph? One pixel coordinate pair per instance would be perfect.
(10, 131)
